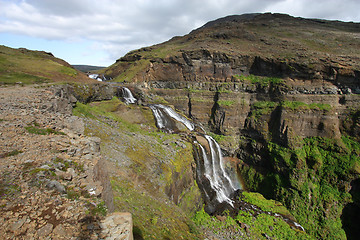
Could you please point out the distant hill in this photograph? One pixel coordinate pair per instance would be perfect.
(27, 67)
(87, 68)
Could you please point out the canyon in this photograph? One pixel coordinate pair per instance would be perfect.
(281, 95)
(275, 98)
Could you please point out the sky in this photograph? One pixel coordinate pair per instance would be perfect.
(98, 32)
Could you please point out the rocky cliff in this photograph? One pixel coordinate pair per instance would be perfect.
(280, 93)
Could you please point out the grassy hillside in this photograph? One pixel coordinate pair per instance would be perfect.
(26, 66)
(308, 42)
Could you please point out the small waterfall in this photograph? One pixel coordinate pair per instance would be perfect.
(127, 95)
(211, 170)
(165, 115)
(96, 77)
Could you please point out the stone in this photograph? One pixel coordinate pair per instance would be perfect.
(53, 184)
(118, 226)
(61, 231)
(16, 225)
(45, 230)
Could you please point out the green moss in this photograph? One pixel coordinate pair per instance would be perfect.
(307, 180)
(264, 226)
(42, 131)
(227, 103)
(260, 108)
(261, 226)
(218, 138)
(262, 81)
(8, 189)
(264, 204)
(296, 105)
(153, 218)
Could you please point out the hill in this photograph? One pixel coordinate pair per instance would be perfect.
(87, 68)
(261, 44)
(281, 96)
(26, 66)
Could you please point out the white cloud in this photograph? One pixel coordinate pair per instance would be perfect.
(118, 26)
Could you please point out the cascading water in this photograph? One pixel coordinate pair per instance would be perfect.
(165, 117)
(211, 173)
(217, 185)
(127, 95)
(212, 165)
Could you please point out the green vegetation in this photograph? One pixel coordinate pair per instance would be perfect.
(19, 77)
(218, 138)
(29, 67)
(260, 108)
(69, 164)
(247, 225)
(296, 105)
(227, 103)
(68, 71)
(311, 181)
(34, 129)
(8, 189)
(262, 81)
(153, 219)
(130, 73)
(155, 164)
(264, 204)
(9, 154)
(97, 208)
(141, 60)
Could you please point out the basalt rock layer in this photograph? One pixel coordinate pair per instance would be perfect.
(280, 93)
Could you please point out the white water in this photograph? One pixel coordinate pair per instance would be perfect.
(95, 76)
(214, 168)
(218, 164)
(159, 111)
(128, 97)
(159, 116)
(211, 173)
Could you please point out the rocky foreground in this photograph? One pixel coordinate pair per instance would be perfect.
(50, 184)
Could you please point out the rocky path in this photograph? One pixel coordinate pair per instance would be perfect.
(47, 186)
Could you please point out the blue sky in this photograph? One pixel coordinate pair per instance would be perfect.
(97, 32)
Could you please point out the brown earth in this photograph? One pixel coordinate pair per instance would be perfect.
(48, 186)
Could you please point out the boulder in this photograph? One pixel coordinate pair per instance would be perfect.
(117, 226)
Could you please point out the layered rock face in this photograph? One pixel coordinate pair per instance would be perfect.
(232, 108)
(281, 92)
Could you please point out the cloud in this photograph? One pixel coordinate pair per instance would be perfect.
(118, 26)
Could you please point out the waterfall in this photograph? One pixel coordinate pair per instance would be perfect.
(163, 113)
(96, 77)
(217, 185)
(127, 95)
(212, 165)
(211, 173)
(218, 164)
